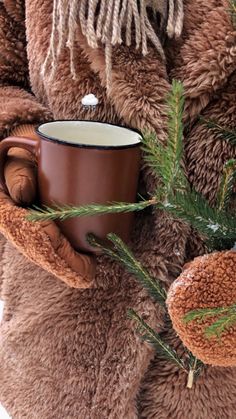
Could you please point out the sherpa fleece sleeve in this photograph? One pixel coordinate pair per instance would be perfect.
(17, 105)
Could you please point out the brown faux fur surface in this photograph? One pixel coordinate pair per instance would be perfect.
(70, 353)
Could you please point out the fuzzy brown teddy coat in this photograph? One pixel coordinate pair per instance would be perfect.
(70, 353)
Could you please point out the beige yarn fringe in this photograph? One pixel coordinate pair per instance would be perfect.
(109, 22)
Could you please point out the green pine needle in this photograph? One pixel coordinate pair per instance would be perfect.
(175, 103)
(153, 286)
(121, 253)
(152, 337)
(153, 150)
(227, 185)
(222, 132)
(195, 210)
(221, 325)
(166, 160)
(202, 313)
(218, 327)
(66, 211)
(101, 245)
(232, 10)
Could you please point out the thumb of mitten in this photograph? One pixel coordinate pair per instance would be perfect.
(20, 169)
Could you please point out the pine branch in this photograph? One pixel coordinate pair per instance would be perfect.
(195, 210)
(222, 132)
(153, 151)
(66, 211)
(152, 337)
(152, 285)
(166, 160)
(232, 4)
(227, 185)
(216, 244)
(175, 105)
(100, 244)
(123, 254)
(202, 313)
(223, 323)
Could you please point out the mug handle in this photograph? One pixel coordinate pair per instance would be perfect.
(12, 142)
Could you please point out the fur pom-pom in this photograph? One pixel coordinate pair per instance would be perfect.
(206, 283)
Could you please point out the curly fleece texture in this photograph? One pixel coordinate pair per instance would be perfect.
(72, 353)
(208, 282)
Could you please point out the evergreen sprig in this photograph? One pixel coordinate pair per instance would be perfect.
(222, 132)
(166, 160)
(194, 209)
(232, 4)
(221, 325)
(226, 319)
(226, 186)
(202, 313)
(152, 337)
(174, 149)
(123, 255)
(67, 211)
(153, 152)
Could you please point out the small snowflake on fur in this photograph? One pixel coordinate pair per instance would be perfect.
(202, 306)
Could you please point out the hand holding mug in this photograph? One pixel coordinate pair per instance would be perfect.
(76, 270)
(80, 163)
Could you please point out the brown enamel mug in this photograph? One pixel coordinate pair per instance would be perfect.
(84, 162)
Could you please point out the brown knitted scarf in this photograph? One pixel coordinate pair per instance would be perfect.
(109, 23)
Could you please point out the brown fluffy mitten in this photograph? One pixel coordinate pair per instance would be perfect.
(42, 242)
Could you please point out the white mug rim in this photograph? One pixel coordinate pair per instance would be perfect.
(136, 142)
